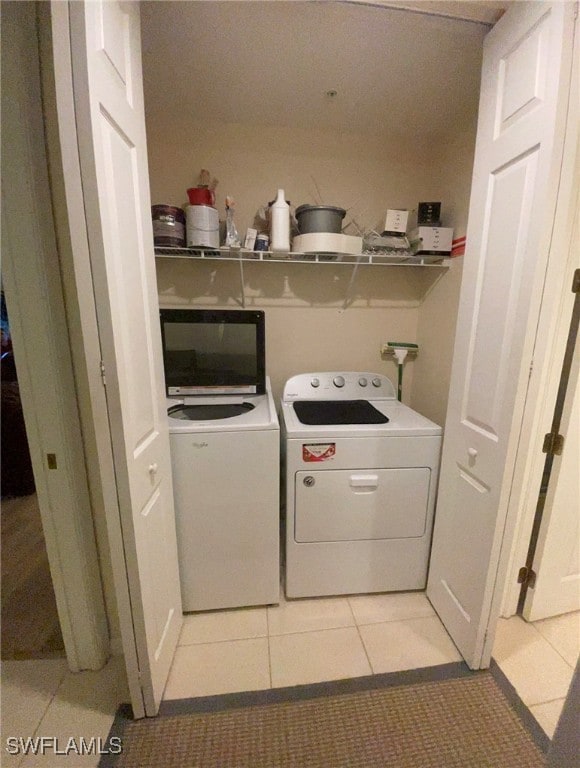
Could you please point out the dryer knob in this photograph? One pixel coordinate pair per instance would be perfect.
(338, 381)
(315, 383)
(362, 382)
(376, 382)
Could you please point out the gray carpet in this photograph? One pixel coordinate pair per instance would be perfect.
(440, 717)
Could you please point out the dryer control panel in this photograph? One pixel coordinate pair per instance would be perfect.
(339, 385)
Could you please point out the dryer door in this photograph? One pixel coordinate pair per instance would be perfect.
(350, 505)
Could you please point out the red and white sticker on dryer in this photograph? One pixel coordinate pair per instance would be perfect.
(318, 451)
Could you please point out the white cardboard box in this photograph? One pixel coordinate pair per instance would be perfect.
(432, 240)
(396, 221)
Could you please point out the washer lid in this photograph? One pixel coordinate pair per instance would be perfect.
(213, 351)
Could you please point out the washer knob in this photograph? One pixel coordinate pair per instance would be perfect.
(338, 381)
(362, 382)
(376, 382)
(315, 383)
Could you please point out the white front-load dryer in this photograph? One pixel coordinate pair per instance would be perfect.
(361, 478)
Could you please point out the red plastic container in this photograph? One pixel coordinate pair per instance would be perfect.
(201, 196)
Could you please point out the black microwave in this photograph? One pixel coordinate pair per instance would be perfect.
(213, 351)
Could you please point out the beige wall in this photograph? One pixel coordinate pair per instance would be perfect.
(365, 174)
(435, 337)
(438, 313)
(455, 175)
(308, 328)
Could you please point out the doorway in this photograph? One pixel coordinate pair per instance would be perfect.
(30, 623)
(538, 649)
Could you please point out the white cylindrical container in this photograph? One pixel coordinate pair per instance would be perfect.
(280, 224)
(202, 226)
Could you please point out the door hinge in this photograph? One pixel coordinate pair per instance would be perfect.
(103, 377)
(527, 576)
(553, 444)
(576, 281)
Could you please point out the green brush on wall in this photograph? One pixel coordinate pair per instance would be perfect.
(401, 351)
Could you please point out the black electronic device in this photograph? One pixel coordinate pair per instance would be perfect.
(429, 215)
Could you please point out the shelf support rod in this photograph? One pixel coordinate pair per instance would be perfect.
(350, 285)
(242, 282)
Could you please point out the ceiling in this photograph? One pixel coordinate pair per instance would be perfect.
(394, 67)
(484, 11)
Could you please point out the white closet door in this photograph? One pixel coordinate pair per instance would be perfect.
(108, 91)
(525, 80)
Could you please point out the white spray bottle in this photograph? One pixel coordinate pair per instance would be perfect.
(280, 224)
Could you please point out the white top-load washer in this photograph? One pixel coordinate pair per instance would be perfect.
(224, 441)
(361, 478)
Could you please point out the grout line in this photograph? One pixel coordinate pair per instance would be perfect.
(360, 636)
(224, 640)
(365, 650)
(351, 611)
(353, 626)
(320, 629)
(511, 677)
(544, 638)
(550, 643)
(52, 698)
(399, 620)
(541, 703)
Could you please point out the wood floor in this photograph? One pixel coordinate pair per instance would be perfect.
(30, 626)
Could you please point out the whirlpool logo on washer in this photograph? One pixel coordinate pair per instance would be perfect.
(200, 445)
(318, 451)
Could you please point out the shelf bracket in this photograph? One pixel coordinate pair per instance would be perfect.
(242, 284)
(350, 285)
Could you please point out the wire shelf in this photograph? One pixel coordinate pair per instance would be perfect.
(242, 254)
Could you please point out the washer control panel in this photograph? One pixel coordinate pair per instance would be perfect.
(339, 385)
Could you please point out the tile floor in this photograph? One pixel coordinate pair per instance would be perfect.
(306, 641)
(42, 698)
(539, 660)
(296, 642)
